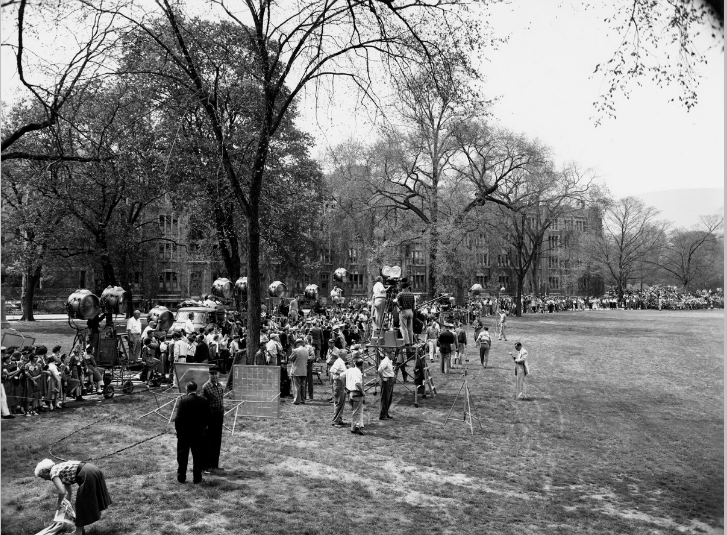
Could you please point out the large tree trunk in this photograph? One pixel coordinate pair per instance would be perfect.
(30, 281)
(433, 244)
(519, 295)
(109, 274)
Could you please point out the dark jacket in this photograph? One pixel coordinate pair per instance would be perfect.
(202, 353)
(193, 414)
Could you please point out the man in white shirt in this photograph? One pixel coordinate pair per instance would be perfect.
(521, 370)
(354, 384)
(484, 341)
(432, 335)
(149, 330)
(386, 372)
(337, 374)
(189, 325)
(379, 302)
(502, 318)
(133, 329)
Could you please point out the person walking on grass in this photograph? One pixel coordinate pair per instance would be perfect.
(502, 319)
(446, 340)
(484, 341)
(521, 370)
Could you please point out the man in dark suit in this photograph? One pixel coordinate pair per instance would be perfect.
(193, 413)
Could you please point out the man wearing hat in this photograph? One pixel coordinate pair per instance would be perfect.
(213, 392)
(299, 370)
(446, 339)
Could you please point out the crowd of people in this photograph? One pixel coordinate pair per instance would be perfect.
(655, 297)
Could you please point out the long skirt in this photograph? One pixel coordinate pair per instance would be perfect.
(92, 496)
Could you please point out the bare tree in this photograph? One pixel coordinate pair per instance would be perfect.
(538, 198)
(685, 254)
(658, 45)
(51, 81)
(630, 234)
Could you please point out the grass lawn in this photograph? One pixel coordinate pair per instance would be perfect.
(623, 432)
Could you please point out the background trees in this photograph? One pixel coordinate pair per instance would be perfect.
(631, 234)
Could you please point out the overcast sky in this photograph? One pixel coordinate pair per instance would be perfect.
(541, 77)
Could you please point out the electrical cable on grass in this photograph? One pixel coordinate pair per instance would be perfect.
(50, 448)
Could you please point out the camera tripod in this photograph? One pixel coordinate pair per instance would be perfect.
(467, 416)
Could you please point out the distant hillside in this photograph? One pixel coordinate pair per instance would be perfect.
(684, 206)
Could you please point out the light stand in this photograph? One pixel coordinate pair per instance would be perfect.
(467, 416)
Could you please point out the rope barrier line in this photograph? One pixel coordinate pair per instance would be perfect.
(50, 448)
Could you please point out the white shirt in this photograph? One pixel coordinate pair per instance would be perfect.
(146, 333)
(385, 368)
(521, 356)
(189, 327)
(180, 349)
(338, 368)
(484, 336)
(133, 326)
(353, 377)
(379, 290)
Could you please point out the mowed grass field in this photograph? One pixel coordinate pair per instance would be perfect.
(623, 432)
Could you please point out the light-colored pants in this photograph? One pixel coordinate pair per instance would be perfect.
(379, 306)
(357, 419)
(3, 402)
(432, 343)
(406, 325)
(134, 346)
(339, 400)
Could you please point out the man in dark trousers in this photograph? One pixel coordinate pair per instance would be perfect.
(193, 414)
(213, 392)
(446, 339)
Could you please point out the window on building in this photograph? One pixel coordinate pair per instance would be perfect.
(169, 281)
(554, 225)
(554, 282)
(326, 257)
(82, 278)
(482, 280)
(580, 225)
(553, 242)
(568, 224)
(553, 262)
(195, 283)
(483, 259)
(503, 260)
(352, 255)
(356, 280)
(504, 280)
(325, 275)
(420, 280)
(417, 257)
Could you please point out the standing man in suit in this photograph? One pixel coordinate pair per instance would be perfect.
(299, 370)
(213, 392)
(193, 413)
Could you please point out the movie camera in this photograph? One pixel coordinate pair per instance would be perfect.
(392, 279)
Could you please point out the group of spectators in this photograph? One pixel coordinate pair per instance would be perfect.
(655, 297)
(34, 381)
